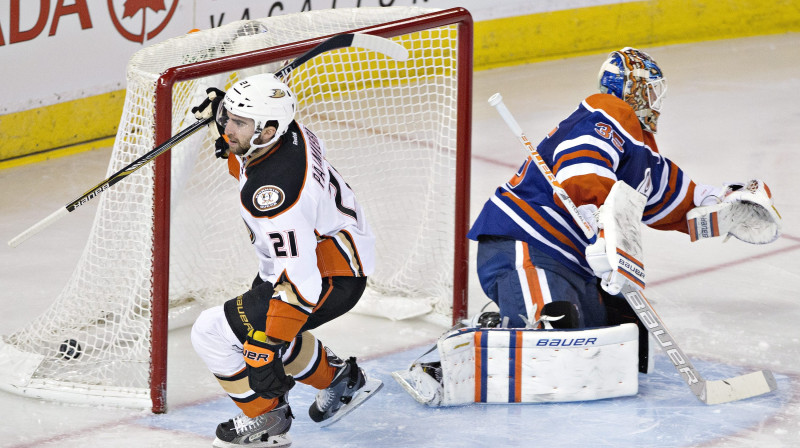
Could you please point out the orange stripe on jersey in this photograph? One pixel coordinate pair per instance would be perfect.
(330, 260)
(673, 186)
(676, 219)
(582, 153)
(620, 111)
(533, 282)
(588, 189)
(539, 220)
(283, 320)
(334, 257)
(233, 166)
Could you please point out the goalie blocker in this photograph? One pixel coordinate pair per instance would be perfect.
(525, 365)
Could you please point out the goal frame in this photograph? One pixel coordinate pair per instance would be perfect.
(162, 166)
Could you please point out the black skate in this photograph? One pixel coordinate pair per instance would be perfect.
(349, 388)
(267, 430)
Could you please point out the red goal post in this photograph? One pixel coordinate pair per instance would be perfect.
(163, 131)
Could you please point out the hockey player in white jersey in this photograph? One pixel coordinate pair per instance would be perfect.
(315, 251)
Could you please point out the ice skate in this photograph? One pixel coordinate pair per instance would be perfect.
(267, 430)
(349, 388)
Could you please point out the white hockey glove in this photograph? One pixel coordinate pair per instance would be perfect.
(598, 260)
(743, 210)
(208, 109)
(596, 253)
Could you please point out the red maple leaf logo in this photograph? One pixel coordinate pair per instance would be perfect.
(134, 6)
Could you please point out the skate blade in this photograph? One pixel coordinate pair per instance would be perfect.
(415, 382)
(279, 441)
(368, 390)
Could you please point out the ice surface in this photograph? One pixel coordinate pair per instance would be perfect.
(732, 112)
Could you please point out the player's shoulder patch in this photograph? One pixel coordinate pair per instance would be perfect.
(268, 197)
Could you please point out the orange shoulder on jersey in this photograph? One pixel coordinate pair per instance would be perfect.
(618, 110)
(233, 166)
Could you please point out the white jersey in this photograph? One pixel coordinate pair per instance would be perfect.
(304, 220)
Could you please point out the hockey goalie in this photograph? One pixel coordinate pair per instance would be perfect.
(560, 244)
(555, 360)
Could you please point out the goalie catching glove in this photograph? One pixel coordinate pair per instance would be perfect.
(208, 109)
(743, 210)
(265, 367)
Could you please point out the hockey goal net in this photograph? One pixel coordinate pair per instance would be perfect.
(168, 241)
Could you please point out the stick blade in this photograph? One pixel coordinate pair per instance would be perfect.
(739, 388)
(381, 45)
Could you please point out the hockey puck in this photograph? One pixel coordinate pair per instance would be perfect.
(70, 349)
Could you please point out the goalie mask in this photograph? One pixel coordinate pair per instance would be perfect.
(634, 77)
(265, 100)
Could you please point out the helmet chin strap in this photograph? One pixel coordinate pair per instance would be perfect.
(255, 147)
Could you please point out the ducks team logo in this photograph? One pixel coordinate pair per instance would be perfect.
(268, 197)
(278, 93)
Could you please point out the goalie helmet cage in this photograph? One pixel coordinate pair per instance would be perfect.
(168, 240)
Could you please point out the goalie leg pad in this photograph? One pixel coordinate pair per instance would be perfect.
(501, 365)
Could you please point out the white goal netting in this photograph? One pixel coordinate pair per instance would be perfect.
(390, 128)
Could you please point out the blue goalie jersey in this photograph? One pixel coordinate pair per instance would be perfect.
(599, 144)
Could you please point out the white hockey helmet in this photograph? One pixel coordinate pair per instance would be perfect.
(264, 99)
(634, 77)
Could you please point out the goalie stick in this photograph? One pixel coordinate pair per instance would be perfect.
(709, 392)
(365, 41)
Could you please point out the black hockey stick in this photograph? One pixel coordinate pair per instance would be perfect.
(365, 41)
(709, 392)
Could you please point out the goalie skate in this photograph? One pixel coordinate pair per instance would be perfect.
(420, 384)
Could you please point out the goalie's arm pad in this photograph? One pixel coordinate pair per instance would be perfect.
(745, 211)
